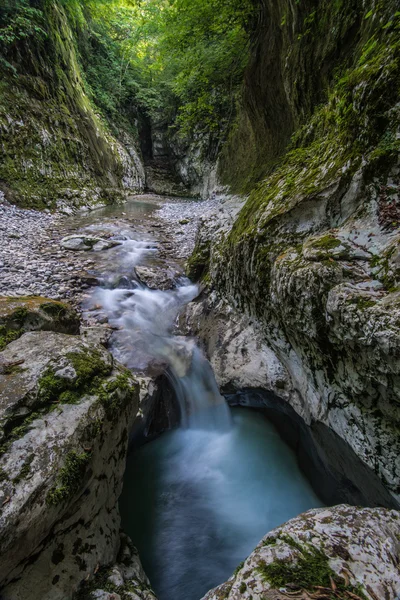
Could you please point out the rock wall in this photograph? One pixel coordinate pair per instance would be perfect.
(312, 255)
(56, 148)
(181, 167)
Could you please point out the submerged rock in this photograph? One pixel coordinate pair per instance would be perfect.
(65, 413)
(342, 552)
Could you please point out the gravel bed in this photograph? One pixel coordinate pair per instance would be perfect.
(32, 263)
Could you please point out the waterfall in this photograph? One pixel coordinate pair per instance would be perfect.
(144, 320)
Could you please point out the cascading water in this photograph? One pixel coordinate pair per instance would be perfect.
(198, 499)
(145, 318)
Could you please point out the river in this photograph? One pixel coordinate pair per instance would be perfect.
(198, 499)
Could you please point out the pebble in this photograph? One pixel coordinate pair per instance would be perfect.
(32, 263)
(29, 263)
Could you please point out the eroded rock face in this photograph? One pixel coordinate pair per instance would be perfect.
(353, 551)
(250, 373)
(319, 277)
(66, 410)
(125, 580)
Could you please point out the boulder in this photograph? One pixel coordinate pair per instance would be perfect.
(66, 410)
(19, 315)
(344, 552)
(157, 278)
(87, 242)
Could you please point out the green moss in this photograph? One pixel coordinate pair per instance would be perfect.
(3, 476)
(90, 369)
(8, 336)
(53, 140)
(238, 568)
(53, 391)
(310, 570)
(243, 587)
(101, 582)
(51, 387)
(69, 479)
(116, 394)
(327, 242)
(197, 265)
(54, 309)
(364, 303)
(16, 429)
(20, 314)
(270, 541)
(88, 365)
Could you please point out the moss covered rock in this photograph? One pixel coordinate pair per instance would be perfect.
(341, 552)
(312, 255)
(19, 315)
(65, 412)
(57, 151)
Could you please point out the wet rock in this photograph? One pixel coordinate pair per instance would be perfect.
(235, 346)
(86, 242)
(97, 335)
(157, 279)
(353, 550)
(88, 279)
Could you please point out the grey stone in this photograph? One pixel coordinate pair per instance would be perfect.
(360, 546)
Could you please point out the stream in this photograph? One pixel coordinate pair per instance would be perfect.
(197, 500)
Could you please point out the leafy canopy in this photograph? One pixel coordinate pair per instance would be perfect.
(174, 61)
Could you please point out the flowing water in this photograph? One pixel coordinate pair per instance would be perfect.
(197, 500)
(196, 503)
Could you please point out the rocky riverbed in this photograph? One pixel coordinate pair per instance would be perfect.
(33, 263)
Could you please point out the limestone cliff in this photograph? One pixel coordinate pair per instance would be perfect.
(313, 254)
(56, 147)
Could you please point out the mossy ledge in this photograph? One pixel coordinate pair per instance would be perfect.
(18, 315)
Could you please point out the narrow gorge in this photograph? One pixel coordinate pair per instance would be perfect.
(199, 300)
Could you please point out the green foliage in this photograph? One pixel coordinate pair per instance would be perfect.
(179, 62)
(19, 20)
(206, 45)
